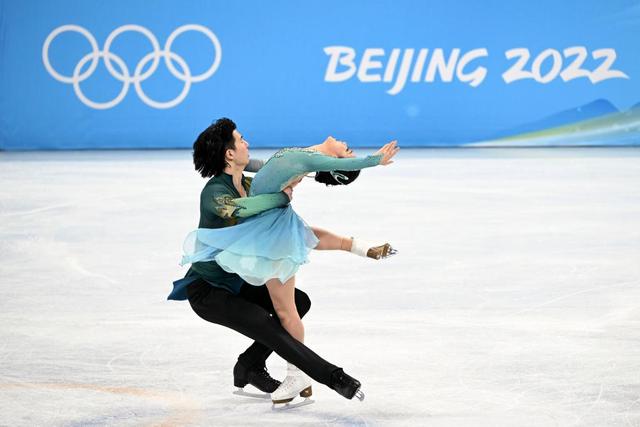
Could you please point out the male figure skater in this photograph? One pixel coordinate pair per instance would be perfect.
(224, 298)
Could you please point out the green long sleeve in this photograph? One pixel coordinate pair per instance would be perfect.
(243, 207)
(317, 162)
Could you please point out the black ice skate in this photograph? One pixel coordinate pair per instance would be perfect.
(346, 385)
(257, 377)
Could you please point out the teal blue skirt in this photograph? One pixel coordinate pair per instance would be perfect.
(271, 245)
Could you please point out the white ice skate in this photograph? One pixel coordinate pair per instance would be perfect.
(297, 383)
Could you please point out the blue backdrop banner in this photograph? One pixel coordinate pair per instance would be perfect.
(153, 74)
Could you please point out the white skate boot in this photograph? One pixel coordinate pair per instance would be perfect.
(368, 251)
(297, 383)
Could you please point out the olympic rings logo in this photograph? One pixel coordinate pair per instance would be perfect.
(123, 75)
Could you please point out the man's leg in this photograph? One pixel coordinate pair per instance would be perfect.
(252, 320)
(257, 353)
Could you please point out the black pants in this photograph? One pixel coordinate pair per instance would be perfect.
(252, 314)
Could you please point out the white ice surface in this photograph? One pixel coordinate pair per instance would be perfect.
(514, 300)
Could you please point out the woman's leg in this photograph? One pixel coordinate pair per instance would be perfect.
(330, 241)
(283, 299)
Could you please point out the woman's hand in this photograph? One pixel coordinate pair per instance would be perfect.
(388, 151)
(289, 192)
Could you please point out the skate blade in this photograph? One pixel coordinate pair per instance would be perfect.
(241, 392)
(388, 251)
(284, 406)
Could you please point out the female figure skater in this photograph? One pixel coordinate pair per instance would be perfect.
(269, 247)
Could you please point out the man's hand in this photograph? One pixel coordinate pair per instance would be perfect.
(289, 192)
(388, 151)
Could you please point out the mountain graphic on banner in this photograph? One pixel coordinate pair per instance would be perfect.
(594, 109)
(593, 124)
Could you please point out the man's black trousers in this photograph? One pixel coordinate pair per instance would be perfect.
(252, 314)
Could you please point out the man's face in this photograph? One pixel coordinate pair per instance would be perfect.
(239, 156)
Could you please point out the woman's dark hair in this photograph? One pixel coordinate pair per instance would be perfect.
(337, 177)
(210, 147)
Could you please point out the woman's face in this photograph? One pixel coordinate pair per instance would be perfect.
(339, 148)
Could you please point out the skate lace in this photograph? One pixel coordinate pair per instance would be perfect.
(295, 381)
(290, 382)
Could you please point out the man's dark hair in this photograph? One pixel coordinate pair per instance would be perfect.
(337, 177)
(210, 147)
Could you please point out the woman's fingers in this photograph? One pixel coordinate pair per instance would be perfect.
(388, 151)
(391, 147)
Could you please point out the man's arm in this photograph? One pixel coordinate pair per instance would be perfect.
(227, 206)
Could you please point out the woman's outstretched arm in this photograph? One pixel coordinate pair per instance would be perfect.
(318, 162)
